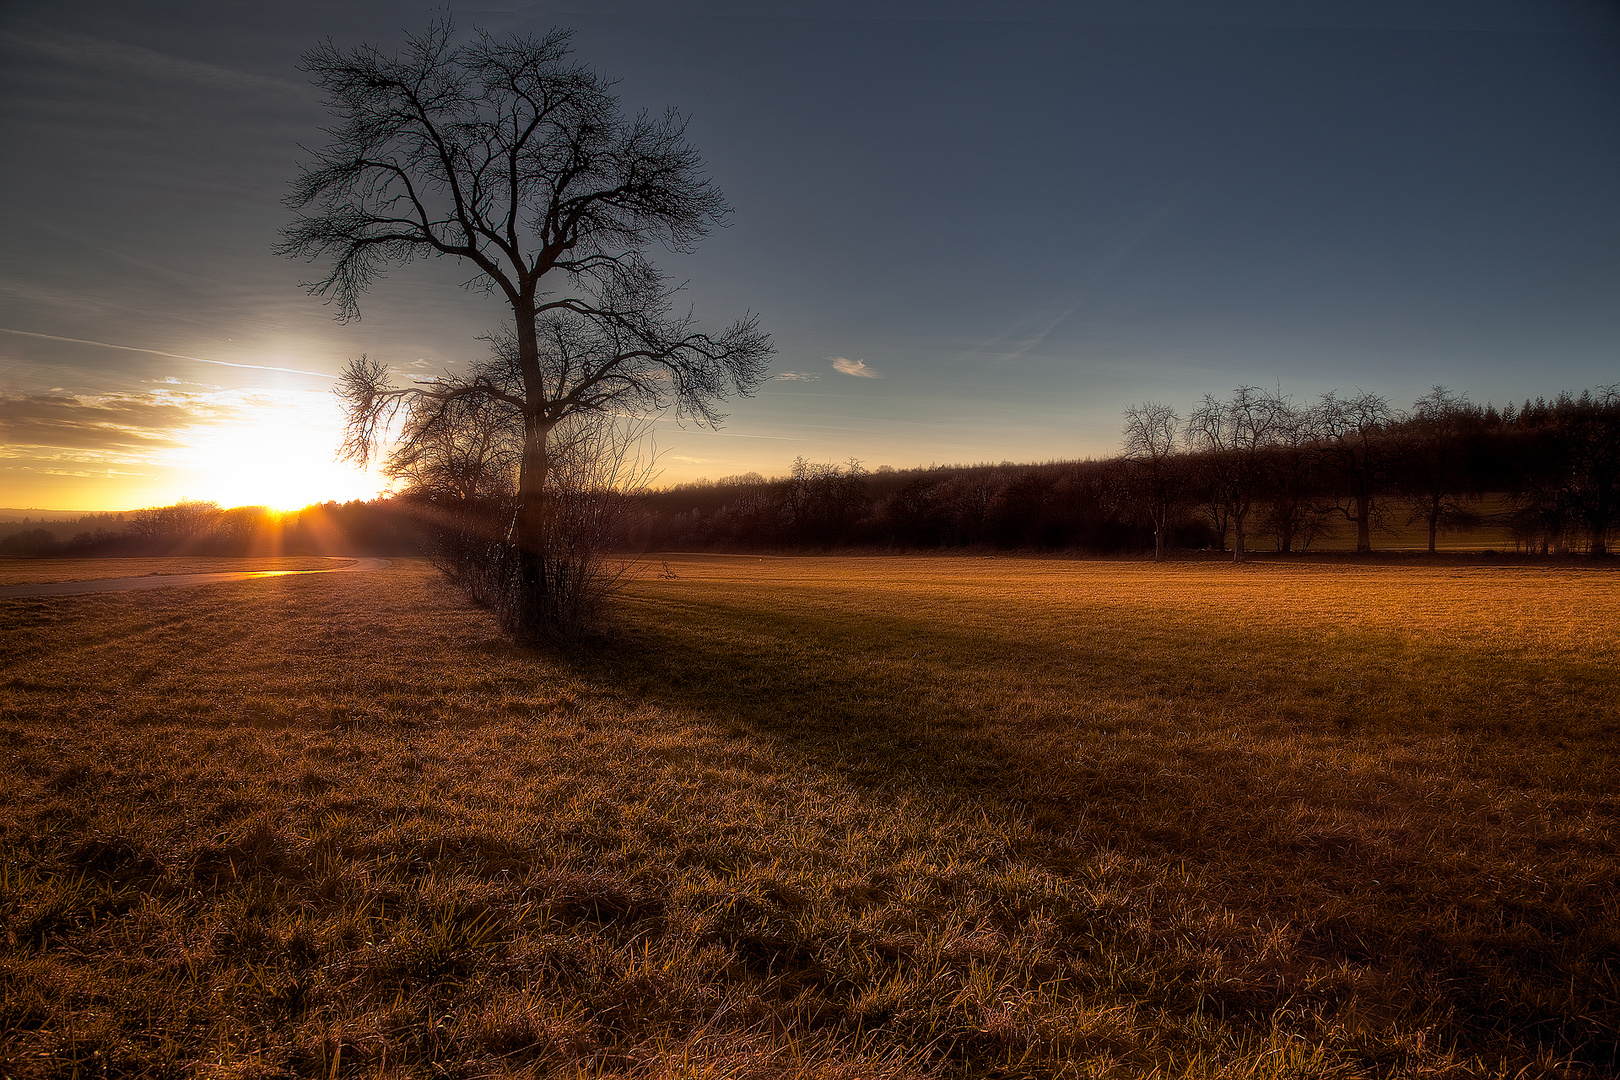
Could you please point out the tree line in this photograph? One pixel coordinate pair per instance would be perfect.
(1252, 470)
(379, 527)
(1255, 469)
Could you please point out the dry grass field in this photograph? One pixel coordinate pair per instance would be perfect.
(14, 571)
(821, 817)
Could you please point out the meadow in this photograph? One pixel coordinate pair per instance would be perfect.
(852, 817)
(43, 571)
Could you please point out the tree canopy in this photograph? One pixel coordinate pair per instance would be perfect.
(506, 155)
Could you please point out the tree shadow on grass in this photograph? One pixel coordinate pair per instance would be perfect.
(1315, 785)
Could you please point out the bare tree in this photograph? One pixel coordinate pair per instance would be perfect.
(1293, 514)
(822, 501)
(1152, 439)
(1433, 475)
(1352, 438)
(459, 449)
(506, 156)
(179, 527)
(1234, 436)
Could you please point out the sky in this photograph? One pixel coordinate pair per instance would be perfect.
(976, 231)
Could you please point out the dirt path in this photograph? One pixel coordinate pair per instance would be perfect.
(170, 581)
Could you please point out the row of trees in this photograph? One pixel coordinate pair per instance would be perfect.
(817, 506)
(1252, 467)
(1259, 454)
(382, 527)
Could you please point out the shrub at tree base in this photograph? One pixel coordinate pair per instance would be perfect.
(595, 462)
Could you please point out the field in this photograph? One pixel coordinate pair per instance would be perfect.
(42, 571)
(821, 817)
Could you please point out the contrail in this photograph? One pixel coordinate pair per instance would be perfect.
(160, 352)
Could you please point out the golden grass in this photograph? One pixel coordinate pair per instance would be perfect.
(46, 571)
(1524, 610)
(857, 817)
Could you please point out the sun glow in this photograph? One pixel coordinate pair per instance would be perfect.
(274, 448)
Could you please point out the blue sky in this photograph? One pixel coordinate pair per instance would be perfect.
(976, 231)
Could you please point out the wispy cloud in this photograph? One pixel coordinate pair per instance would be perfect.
(160, 352)
(117, 423)
(795, 376)
(1172, 199)
(157, 422)
(1038, 338)
(709, 432)
(857, 368)
(101, 52)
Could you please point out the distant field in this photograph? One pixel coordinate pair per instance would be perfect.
(1399, 535)
(802, 817)
(1342, 537)
(15, 571)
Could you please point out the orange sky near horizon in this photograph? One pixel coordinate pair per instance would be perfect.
(252, 446)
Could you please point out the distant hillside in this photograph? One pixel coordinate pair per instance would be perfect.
(11, 515)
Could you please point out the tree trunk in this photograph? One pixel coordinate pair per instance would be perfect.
(1600, 522)
(530, 530)
(1434, 527)
(1363, 524)
(533, 605)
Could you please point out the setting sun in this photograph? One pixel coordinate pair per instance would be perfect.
(271, 448)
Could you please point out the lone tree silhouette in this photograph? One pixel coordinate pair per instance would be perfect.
(503, 154)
